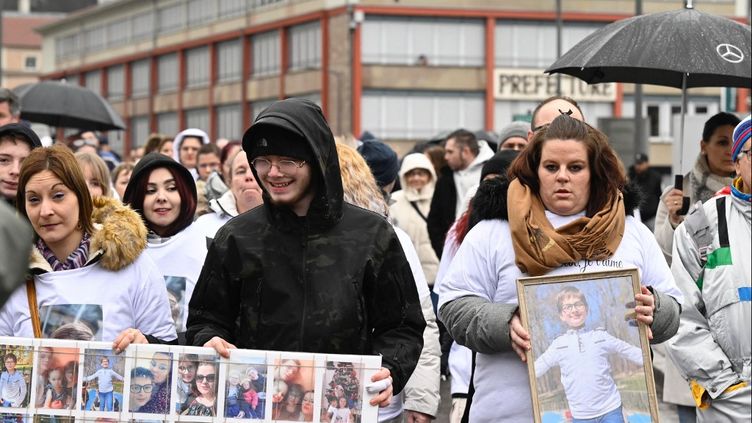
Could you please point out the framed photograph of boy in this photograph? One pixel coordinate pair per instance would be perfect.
(590, 359)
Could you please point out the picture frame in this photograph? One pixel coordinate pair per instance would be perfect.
(587, 318)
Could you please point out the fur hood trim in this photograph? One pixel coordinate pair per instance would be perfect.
(119, 237)
(490, 201)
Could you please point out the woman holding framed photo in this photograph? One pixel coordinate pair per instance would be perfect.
(566, 211)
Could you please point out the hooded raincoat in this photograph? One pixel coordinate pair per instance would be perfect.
(409, 209)
(333, 281)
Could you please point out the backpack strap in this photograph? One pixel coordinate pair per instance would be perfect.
(420, 213)
(31, 294)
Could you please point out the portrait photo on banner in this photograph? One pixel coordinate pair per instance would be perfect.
(245, 387)
(149, 382)
(590, 358)
(293, 378)
(56, 378)
(197, 382)
(102, 381)
(341, 402)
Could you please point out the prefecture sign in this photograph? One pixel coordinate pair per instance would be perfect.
(533, 84)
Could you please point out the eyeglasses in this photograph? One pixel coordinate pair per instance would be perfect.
(747, 152)
(183, 369)
(138, 388)
(569, 307)
(287, 167)
(210, 378)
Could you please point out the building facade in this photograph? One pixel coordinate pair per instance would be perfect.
(404, 70)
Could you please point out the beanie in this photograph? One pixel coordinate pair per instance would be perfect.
(21, 132)
(514, 129)
(381, 159)
(498, 164)
(277, 141)
(742, 134)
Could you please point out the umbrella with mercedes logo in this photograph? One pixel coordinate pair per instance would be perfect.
(66, 105)
(680, 48)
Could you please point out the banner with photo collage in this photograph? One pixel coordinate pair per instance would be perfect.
(53, 380)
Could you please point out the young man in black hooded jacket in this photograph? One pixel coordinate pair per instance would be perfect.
(306, 271)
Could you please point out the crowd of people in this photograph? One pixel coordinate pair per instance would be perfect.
(291, 240)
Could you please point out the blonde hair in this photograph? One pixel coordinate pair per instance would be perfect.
(98, 168)
(358, 182)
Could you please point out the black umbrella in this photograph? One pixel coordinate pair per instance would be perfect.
(66, 105)
(680, 48)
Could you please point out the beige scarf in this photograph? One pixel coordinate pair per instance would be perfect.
(538, 247)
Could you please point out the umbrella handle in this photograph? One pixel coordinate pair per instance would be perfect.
(679, 184)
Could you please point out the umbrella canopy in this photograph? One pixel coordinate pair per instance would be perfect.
(66, 105)
(661, 48)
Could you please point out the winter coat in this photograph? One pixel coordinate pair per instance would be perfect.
(333, 281)
(713, 346)
(448, 203)
(117, 278)
(409, 220)
(699, 185)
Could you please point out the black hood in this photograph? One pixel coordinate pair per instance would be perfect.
(303, 118)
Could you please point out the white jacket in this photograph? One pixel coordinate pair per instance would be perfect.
(469, 177)
(409, 220)
(712, 346)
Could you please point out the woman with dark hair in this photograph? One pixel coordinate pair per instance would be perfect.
(163, 192)
(713, 170)
(87, 251)
(204, 386)
(565, 212)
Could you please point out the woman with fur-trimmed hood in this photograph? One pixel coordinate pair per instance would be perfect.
(411, 205)
(87, 261)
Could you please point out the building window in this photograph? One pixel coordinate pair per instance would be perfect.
(167, 123)
(420, 114)
(116, 82)
(142, 25)
(424, 41)
(197, 118)
(118, 33)
(200, 11)
(266, 49)
(305, 46)
(197, 67)
(96, 38)
(67, 46)
(171, 18)
(533, 44)
(167, 72)
(229, 61)
(654, 121)
(140, 78)
(139, 130)
(228, 8)
(30, 63)
(93, 81)
(258, 106)
(229, 123)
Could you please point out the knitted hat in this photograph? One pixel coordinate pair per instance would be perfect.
(514, 129)
(382, 160)
(269, 140)
(499, 163)
(742, 134)
(21, 131)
